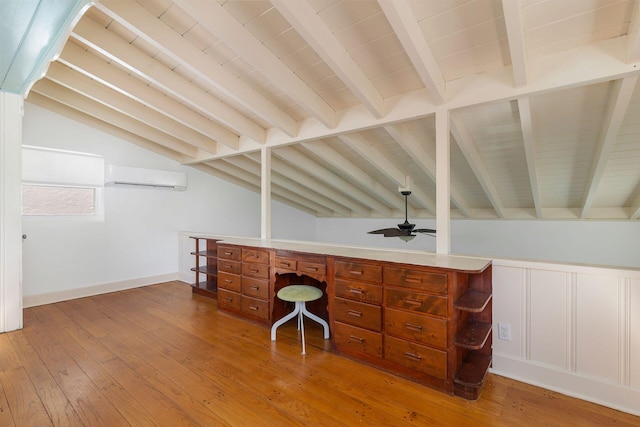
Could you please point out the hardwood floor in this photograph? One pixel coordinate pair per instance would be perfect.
(159, 355)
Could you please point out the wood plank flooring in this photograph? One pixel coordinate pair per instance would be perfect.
(161, 356)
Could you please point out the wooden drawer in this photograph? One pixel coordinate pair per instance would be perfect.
(234, 267)
(415, 301)
(415, 356)
(230, 282)
(359, 271)
(312, 268)
(229, 300)
(416, 279)
(255, 307)
(417, 327)
(357, 339)
(358, 291)
(256, 288)
(260, 271)
(255, 256)
(358, 314)
(226, 252)
(286, 263)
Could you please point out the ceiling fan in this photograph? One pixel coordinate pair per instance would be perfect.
(405, 231)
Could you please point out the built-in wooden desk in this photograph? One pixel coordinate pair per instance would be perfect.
(422, 316)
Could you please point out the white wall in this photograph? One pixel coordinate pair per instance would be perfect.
(574, 329)
(612, 243)
(137, 242)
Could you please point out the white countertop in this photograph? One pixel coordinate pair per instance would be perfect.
(427, 259)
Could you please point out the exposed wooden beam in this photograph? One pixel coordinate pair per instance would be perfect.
(212, 168)
(315, 190)
(304, 19)
(92, 89)
(526, 125)
(515, 35)
(344, 192)
(74, 100)
(90, 65)
(105, 42)
(415, 149)
(215, 19)
(633, 35)
(619, 99)
(80, 117)
(468, 148)
(160, 35)
(290, 190)
(384, 165)
(573, 67)
(403, 21)
(331, 156)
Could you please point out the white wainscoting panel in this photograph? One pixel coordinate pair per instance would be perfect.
(598, 337)
(575, 329)
(508, 300)
(549, 306)
(634, 332)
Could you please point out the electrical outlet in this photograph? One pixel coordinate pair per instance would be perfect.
(504, 331)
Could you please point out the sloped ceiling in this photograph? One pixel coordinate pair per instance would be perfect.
(540, 98)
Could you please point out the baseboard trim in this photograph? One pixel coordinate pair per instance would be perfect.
(595, 390)
(104, 288)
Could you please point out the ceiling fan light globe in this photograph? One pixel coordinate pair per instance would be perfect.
(408, 237)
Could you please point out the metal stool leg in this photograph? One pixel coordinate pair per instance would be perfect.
(289, 316)
(301, 322)
(318, 319)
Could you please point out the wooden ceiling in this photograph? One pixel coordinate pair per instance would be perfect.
(541, 98)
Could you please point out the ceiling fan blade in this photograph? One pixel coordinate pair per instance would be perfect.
(381, 231)
(425, 230)
(391, 232)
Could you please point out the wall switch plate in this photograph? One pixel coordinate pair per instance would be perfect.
(504, 331)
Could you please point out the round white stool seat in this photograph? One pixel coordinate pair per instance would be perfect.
(295, 293)
(300, 295)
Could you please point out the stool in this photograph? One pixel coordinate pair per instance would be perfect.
(300, 294)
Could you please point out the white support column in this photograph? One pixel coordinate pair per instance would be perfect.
(265, 194)
(11, 112)
(443, 184)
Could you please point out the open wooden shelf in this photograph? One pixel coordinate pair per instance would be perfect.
(471, 376)
(209, 270)
(473, 301)
(473, 336)
(206, 264)
(208, 254)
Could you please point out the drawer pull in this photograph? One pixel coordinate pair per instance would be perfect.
(253, 307)
(412, 327)
(227, 299)
(413, 356)
(228, 253)
(355, 313)
(285, 264)
(353, 337)
(254, 256)
(314, 269)
(412, 301)
(356, 291)
(254, 270)
(254, 288)
(413, 279)
(229, 266)
(228, 280)
(356, 272)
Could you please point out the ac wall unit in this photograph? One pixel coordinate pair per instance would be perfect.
(126, 175)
